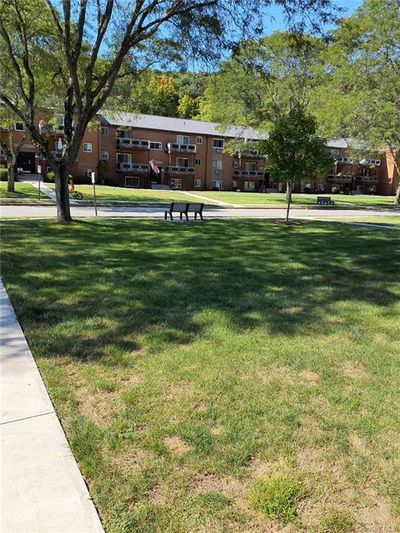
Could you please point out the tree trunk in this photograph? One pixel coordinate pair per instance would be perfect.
(289, 199)
(62, 193)
(11, 176)
(397, 199)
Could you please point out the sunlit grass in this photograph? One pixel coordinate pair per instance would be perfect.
(22, 190)
(188, 361)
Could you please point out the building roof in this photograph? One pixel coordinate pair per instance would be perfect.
(196, 127)
(180, 125)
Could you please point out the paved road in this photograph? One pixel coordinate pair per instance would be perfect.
(9, 211)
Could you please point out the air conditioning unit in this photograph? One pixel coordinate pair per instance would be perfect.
(219, 150)
(378, 162)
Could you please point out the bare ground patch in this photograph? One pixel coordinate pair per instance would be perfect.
(176, 446)
(355, 370)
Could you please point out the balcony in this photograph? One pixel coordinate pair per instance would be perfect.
(181, 148)
(132, 144)
(179, 171)
(249, 155)
(255, 174)
(133, 167)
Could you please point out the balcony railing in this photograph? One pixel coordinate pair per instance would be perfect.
(179, 171)
(133, 167)
(249, 155)
(248, 173)
(133, 144)
(183, 148)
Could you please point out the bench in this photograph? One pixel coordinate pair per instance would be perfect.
(177, 207)
(325, 200)
(184, 209)
(197, 209)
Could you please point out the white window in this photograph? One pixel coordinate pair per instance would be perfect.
(59, 122)
(124, 158)
(87, 147)
(218, 143)
(249, 186)
(182, 162)
(132, 181)
(155, 145)
(104, 156)
(216, 184)
(197, 183)
(252, 167)
(175, 183)
(182, 139)
(199, 140)
(197, 162)
(104, 131)
(19, 126)
(87, 172)
(217, 165)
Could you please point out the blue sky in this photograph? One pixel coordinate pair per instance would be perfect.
(275, 20)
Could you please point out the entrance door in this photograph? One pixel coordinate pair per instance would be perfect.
(26, 160)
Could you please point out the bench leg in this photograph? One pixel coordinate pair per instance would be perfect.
(201, 216)
(187, 216)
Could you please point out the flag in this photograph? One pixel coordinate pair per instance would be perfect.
(154, 167)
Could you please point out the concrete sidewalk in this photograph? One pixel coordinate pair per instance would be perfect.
(42, 490)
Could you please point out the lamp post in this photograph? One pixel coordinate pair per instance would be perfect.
(39, 169)
(94, 191)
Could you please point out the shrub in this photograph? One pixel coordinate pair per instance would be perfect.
(50, 176)
(277, 497)
(337, 522)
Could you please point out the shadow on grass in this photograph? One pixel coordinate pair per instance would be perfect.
(104, 289)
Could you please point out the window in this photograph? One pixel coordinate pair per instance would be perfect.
(249, 186)
(218, 143)
(175, 183)
(197, 183)
(182, 139)
(124, 158)
(132, 181)
(104, 131)
(155, 145)
(104, 156)
(216, 184)
(197, 162)
(123, 134)
(252, 167)
(59, 122)
(88, 172)
(87, 147)
(199, 140)
(182, 162)
(19, 126)
(217, 165)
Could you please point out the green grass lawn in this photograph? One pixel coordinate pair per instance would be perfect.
(22, 191)
(226, 376)
(279, 199)
(106, 194)
(385, 221)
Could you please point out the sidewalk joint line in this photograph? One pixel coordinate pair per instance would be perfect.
(26, 418)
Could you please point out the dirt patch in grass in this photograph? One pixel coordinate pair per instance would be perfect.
(358, 444)
(309, 377)
(282, 373)
(376, 516)
(99, 407)
(131, 459)
(228, 486)
(355, 370)
(216, 431)
(157, 496)
(176, 446)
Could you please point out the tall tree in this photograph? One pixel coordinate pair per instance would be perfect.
(295, 152)
(360, 96)
(91, 43)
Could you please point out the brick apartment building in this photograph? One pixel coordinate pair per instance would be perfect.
(146, 151)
